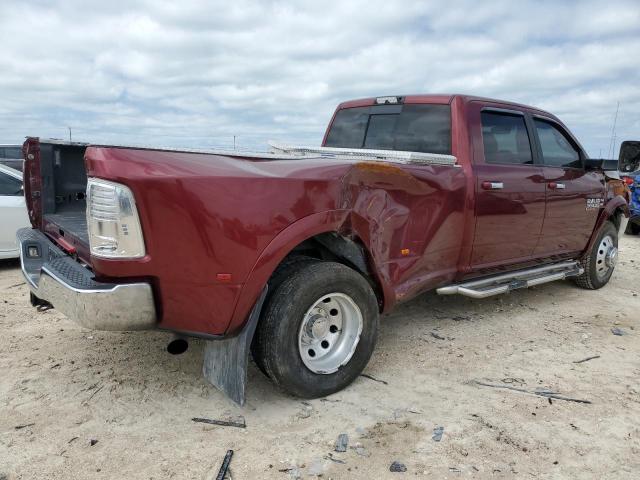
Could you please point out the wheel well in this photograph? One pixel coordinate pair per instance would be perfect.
(331, 246)
(616, 217)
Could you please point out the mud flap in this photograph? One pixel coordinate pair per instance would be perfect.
(225, 361)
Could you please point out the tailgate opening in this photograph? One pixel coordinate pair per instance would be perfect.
(62, 193)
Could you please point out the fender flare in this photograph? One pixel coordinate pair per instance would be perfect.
(279, 247)
(616, 203)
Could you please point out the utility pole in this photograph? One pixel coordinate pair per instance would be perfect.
(69, 134)
(234, 143)
(612, 144)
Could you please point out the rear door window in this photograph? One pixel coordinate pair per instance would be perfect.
(505, 139)
(414, 128)
(557, 149)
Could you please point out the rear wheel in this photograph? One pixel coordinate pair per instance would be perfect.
(600, 262)
(318, 329)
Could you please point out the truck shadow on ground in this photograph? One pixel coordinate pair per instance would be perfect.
(144, 358)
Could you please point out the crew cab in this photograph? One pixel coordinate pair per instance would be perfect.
(293, 254)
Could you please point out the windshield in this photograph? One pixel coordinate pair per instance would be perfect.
(414, 128)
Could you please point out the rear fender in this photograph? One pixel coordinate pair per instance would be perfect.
(275, 252)
(305, 228)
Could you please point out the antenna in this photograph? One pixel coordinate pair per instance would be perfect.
(612, 143)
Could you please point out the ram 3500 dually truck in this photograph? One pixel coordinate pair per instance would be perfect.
(292, 255)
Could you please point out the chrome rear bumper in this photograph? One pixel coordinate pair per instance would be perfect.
(57, 279)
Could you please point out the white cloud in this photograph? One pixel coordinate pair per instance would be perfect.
(195, 73)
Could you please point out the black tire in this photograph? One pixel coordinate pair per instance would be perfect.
(590, 278)
(632, 229)
(284, 271)
(282, 317)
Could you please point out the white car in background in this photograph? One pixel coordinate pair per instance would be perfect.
(13, 211)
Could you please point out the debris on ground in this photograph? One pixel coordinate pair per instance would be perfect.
(370, 377)
(513, 380)
(92, 442)
(342, 442)
(239, 423)
(541, 393)
(20, 427)
(436, 336)
(587, 359)
(437, 434)
(330, 456)
(225, 465)
(294, 472)
(397, 467)
(618, 331)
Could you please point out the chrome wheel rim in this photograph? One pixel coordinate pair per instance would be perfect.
(329, 333)
(606, 257)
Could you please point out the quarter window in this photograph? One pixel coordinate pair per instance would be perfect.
(557, 149)
(505, 139)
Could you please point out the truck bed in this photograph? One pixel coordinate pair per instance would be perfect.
(74, 222)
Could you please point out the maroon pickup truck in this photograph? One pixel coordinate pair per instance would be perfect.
(292, 255)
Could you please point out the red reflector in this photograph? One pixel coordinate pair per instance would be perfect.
(66, 246)
(628, 180)
(223, 277)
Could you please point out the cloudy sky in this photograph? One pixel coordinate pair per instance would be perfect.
(196, 73)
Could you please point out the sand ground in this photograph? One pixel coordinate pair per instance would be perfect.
(63, 388)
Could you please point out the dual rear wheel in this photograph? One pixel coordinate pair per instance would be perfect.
(318, 328)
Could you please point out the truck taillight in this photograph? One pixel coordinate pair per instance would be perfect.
(112, 221)
(627, 180)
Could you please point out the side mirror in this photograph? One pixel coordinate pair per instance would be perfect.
(629, 158)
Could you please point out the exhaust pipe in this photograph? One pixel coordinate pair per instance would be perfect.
(178, 346)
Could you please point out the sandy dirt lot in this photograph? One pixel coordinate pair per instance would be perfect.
(81, 404)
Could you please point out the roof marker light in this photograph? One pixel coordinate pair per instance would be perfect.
(388, 100)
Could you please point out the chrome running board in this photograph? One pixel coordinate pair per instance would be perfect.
(497, 284)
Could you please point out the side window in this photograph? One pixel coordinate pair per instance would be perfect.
(505, 139)
(557, 149)
(10, 185)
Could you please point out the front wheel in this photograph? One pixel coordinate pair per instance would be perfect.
(318, 329)
(601, 260)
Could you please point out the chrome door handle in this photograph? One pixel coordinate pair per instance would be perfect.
(492, 185)
(557, 185)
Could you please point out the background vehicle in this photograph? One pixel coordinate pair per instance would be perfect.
(11, 156)
(630, 171)
(306, 246)
(13, 212)
(633, 228)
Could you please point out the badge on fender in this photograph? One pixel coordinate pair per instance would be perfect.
(595, 203)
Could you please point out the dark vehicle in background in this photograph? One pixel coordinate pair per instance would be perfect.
(11, 156)
(295, 253)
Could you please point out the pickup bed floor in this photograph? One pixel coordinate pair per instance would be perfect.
(74, 222)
